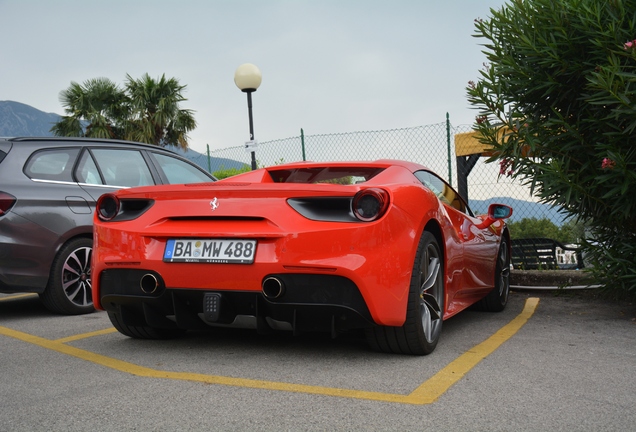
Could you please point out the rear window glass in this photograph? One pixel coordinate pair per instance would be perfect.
(178, 171)
(87, 171)
(334, 175)
(444, 192)
(123, 168)
(52, 164)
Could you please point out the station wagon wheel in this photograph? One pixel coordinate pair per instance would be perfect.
(497, 299)
(69, 288)
(425, 309)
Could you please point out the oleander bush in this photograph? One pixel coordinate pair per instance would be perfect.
(557, 101)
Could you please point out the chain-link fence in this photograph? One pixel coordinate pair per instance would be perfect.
(432, 146)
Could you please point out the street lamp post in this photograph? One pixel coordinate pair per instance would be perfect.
(248, 78)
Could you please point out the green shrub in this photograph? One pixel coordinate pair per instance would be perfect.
(229, 172)
(571, 232)
(557, 101)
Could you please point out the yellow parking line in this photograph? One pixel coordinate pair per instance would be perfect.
(86, 335)
(439, 383)
(17, 296)
(428, 392)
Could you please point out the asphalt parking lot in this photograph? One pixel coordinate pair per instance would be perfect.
(565, 362)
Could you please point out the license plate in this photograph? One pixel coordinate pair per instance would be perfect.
(211, 251)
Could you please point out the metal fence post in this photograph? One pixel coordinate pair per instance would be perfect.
(302, 142)
(209, 167)
(448, 142)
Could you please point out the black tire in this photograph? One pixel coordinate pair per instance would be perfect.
(425, 309)
(142, 332)
(69, 289)
(497, 299)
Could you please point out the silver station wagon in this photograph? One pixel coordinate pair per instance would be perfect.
(48, 191)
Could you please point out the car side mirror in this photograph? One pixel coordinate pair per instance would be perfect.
(495, 212)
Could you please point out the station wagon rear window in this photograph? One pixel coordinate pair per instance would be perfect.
(52, 164)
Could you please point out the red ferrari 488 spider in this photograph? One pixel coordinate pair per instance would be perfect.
(385, 246)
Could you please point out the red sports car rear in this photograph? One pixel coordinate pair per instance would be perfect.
(384, 246)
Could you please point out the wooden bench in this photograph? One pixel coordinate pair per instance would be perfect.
(539, 253)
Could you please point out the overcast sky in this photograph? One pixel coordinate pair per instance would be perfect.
(328, 66)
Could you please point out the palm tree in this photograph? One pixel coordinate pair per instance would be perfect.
(147, 110)
(95, 109)
(155, 115)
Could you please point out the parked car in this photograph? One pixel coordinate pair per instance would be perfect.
(48, 191)
(385, 246)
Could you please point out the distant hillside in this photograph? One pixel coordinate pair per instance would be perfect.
(201, 159)
(18, 119)
(521, 209)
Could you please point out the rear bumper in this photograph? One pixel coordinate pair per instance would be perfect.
(22, 275)
(26, 253)
(309, 302)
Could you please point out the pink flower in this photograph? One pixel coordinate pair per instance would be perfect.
(630, 44)
(608, 163)
(506, 167)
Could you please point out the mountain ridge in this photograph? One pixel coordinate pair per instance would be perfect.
(18, 119)
(521, 209)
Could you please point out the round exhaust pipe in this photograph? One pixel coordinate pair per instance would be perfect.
(148, 283)
(273, 287)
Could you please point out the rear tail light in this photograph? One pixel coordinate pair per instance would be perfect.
(112, 209)
(6, 202)
(108, 206)
(370, 204)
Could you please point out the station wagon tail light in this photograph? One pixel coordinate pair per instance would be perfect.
(108, 206)
(370, 204)
(6, 202)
